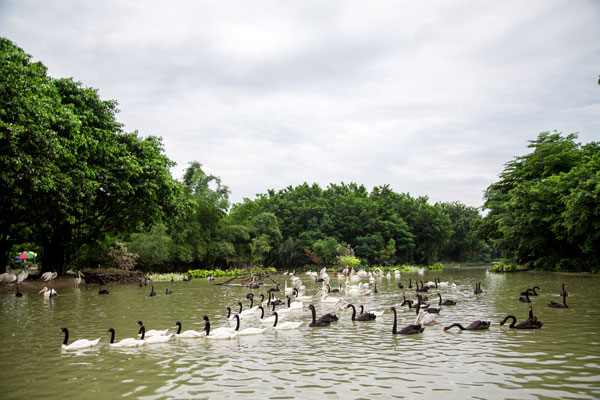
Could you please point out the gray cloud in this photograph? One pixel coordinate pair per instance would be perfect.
(430, 98)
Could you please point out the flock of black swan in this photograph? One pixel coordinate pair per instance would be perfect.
(426, 314)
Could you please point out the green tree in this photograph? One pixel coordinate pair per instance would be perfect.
(539, 209)
(464, 243)
(82, 177)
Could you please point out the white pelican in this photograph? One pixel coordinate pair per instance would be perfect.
(77, 280)
(22, 275)
(9, 276)
(48, 293)
(48, 276)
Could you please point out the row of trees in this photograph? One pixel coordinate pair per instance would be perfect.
(73, 183)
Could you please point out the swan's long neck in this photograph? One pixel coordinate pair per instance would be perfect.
(288, 301)
(251, 302)
(228, 312)
(262, 312)
(564, 296)
(512, 324)
(276, 319)
(353, 311)
(207, 327)
(237, 323)
(112, 336)
(143, 330)
(394, 331)
(362, 309)
(314, 314)
(178, 328)
(440, 296)
(453, 325)
(409, 283)
(531, 317)
(66, 332)
(240, 304)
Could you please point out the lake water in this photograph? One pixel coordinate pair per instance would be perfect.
(348, 360)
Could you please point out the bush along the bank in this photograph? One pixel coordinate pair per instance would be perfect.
(219, 273)
(508, 267)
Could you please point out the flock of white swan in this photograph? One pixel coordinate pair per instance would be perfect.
(282, 318)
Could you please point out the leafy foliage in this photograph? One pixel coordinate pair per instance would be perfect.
(543, 212)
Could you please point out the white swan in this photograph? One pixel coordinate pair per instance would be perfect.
(189, 334)
(152, 332)
(218, 334)
(264, 320)
(223, 329)
(288, 290)
(246, 313)
(153, 339)
(247, 331)
(78, 344)
(129, 342)
(285, 325)
(424, 318)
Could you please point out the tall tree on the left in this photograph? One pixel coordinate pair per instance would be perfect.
(68, 173)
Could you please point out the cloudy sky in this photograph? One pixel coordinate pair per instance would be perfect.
(430, 97)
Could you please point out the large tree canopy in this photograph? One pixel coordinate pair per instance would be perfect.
(69, 173)
(544, 211)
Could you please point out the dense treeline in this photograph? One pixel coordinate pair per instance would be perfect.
(73, 184)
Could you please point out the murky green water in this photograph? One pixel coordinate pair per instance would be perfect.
(349, 360)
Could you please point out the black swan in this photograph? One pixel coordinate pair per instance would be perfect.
(103, 291)
(275, 289)
(409, 283)
(530, 323)
(423, 288)
(563, 292)
(477, 288)
(400, 285)
(554, 304)
(525, 299)
(473, 326)
(330, 290)
(531, 291)
(446, 302)
(324, 320)
(18, 294)
(362, 317)
(167, 291)
(152, 292)
(407, 330)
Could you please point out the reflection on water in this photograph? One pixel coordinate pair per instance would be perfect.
(348, 360)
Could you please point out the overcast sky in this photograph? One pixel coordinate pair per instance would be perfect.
(431, 97)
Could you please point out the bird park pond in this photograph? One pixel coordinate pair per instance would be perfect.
(345, 359)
